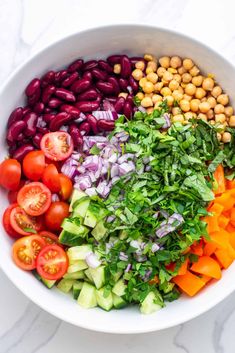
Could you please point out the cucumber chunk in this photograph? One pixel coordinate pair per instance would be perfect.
(79, 265)
(74, 275)
(90, 219)
(76, 195)
(87, 296)
(77, 286)
(65, 285)
(105, 303)
(81, 208)
(79, 252)
(98, 276)
(99, 231)
(88, 275)
(119, 288)
(118, 302)
(148, 306)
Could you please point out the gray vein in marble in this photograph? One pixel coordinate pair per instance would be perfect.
(177, 342)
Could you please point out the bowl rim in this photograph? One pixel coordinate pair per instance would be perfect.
(60, 315)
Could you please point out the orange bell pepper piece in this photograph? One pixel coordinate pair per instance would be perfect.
(197, 248)
(230, 228)
(155, 280)
(207, 266)
(232, 239)
(223, 257)
(230, 184)
(209, 248)
(223, 221)
(220, 180)
(189, 283)
(205, 278)
(216, 209)
(220, 239)
(212, 223)
(226, 199)
(183, 268)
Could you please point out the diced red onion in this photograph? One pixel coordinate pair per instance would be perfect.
(164, 230)
(83, 182)
(128, 268)
(114, 170)
(69, 168)
(108, 106)
(123, 256)
(148, 168)
(76, 156)
(110, 219)
(82, 117)
(81, 169)
(167, 124)
(142, 109)
(41, 122)
(55, 197)
(92, 261)
(105, 115)
(64, 128)
(155, 247)
(113, 158)
(126, 168)
(103, 189)
(122, 136)
(115, 179)
(125, 157)
(91, 191)
(129, 89)
(140, 258)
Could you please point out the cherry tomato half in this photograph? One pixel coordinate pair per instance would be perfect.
(10, 174)
(57, 146)
(49, 237)
(51, 178)
(34, 198)
(25, 251)
(66, 186)
(7, 224)
(52, 262)
(56, 214)
(12, 194)
(34, 165)
(24, 224)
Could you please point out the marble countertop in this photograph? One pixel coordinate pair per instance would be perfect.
(26, 26)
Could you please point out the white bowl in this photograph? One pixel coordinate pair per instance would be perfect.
(99, 43)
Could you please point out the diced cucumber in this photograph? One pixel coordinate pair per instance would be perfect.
(48, 282)
(65, 285)
(88, 275)
(77, 286)
(70, 239)
(148, 306)
(79, 252)
(123, 234)
(79, 265)
(98, 276)
(81, 208)
(119, 288)
(117, 276)
(73, 228)
(76, 195)
(118, 302)
(87, 296)
(74, 275)
(99, 231)
(105, 303)
(90, 219)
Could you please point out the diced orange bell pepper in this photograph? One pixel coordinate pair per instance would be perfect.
(220, 180)
(189, 283)
(155, 280)
(183, 268)
(230, 228)
(216, 209)
(223, 257)
(232, 214)
(207, 266)
(212, 223)
(232, 239)
(209, 248)
(205, 278)
(226, 199)
(197, 248)
(230, 184)
(223, 221)
(220, 239)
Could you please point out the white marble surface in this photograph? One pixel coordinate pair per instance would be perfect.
(26, 26)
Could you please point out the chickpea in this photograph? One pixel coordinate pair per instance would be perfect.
(175, 62)
(219, 136)
(117, 68)
(194, 105)
(187, 97)
(216, 91)
(148, 87)
(140, 95)
(232, 121)
(194, 71)
(218, 109)
(183, 85)
(190, 89)
(197, 80)
(177, 78)
(173, 85)
(140, 65)
(228, 111)
(164, 61)
(157, 105)
(148, 57)
(177, 95)
(226, 137)
(181, 90)
(184, 105)
(223, 99)
(148, 95)
(186, 78)
(212, 122)
(189, 115)
(170, 100)
(208, 84)
(188, 64)
(160, 71)
(220, 118)
(142, 81)
(200, 93)
(172, 70)
(181, 70)
(167, 76)
(211, 101)
(210, 114)
(137, 74)
(176, 110)
(204, 107)
(152, 77)
(149, 110)
(202, 116)
(158, 86)
(165, 91)
(203, 99)
(152, 65)
(123, 94)
(178, 118)
(156, 98)
(149, 70)
(147, 102)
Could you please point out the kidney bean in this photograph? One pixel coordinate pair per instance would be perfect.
(75, 65)
(91, 64)
(125, 66)
(99, 74)
(89, 95)
(135, 59)
(127, 110)
(31, 122)
(20, 137)
(105, 125)
(87, 106)
(12, 148)
(70, 110)
(114, 59)
(39, 107)
(84, 128)
(87, 75)
(26, 110)
(43, 130)
(47, 110)
(99, 98)
(21, 152)
(60, 75)
(60, 119)
(54, 103)
(65, 94)
(123, 83)
(16, 115)
(70, 79)
(134, 85)
(81, 85)
(32, 87)
(47, 93)
(32, 100)
(37, 139)
(75, 135)
(105, 87)
(114, 82)
(119, 105)
(93, 123)
(129, 99)
(105, 66)
(48, 117)
(15, 129)
(48, 78)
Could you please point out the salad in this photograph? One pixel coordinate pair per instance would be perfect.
(121, 181)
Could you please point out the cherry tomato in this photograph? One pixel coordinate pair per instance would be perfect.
(56, 214)
(57, 146)
(52, 262)
(66, 186)
(34, 198)
(6, 222)
(25, 251)
(49, 237)
(51, 178)
(10, 174)
(34, 165)
(24, 224)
